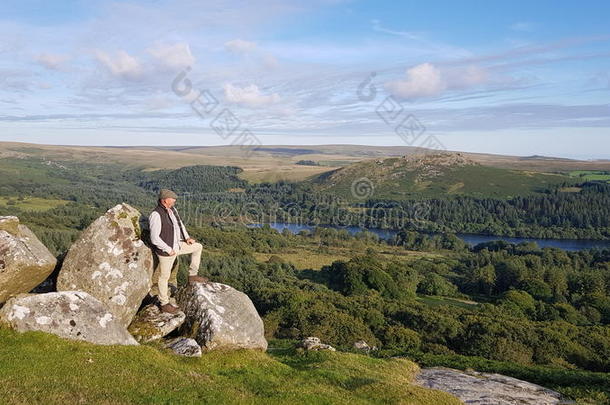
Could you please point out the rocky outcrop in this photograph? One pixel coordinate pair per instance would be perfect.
(152, 324)
(220, 317)
(315, 344)
(70, 314)
(184, 347)
(24, 261)
(487, 389)
(110, 262)
(362, 346)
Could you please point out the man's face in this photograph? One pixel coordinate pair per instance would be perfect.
(169, 202)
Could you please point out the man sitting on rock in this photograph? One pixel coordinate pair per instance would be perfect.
(170, 239)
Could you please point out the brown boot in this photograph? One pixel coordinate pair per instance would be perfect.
(169, 308)
(198, 279)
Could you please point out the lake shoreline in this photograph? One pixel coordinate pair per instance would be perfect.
(470, 239)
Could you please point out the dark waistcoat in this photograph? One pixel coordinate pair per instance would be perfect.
(167, 228)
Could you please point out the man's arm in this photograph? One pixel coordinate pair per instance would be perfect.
(154, 222)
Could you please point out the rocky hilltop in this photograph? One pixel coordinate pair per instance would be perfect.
(103, 292)
(429, 175)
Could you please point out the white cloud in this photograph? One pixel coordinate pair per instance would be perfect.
(427, 80)
(240, 46)
(249, 96)
(174, 57)
(51, 61)
(121, 65)
(422, 81)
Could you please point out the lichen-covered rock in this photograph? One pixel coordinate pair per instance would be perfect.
(24, 261)
(72, 315)
(487, 389)
(184, 347)
(315, 344)
(110, 262)
(220, 317)
(152, 324)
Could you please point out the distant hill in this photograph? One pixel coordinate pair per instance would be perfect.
(432, 175)
(270, 163)
(540, 157)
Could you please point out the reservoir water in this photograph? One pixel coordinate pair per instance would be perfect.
(565, 244)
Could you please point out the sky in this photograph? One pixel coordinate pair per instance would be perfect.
(519, 77)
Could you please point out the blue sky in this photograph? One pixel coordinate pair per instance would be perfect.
(514, 77)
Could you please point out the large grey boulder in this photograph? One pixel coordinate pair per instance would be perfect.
(220, 317)
(24, 261)
(152, 324)
(72, 315)
(487, 389)
(110, 262)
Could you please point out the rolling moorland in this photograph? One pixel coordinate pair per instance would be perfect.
(537, 314)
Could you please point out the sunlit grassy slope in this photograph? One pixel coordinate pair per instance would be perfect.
(41, 368)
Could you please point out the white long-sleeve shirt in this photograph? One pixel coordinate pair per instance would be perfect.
(154, 221)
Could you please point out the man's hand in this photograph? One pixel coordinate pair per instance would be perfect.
(172, 253)
(190, 241)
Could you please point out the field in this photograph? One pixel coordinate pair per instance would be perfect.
(314, 257)
(273, 173)
(31, 203)
(591, 175)
(41, 368)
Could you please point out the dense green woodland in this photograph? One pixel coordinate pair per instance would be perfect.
(205, 189)
(540, 314)
(581, 215)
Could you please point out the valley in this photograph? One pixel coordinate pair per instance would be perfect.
(421, 293)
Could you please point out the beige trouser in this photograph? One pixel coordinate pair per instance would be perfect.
(164, 268)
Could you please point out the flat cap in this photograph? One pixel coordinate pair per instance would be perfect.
(165, 193)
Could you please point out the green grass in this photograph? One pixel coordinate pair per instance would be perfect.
(591, 175)
(41, 368)
(31, 203)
